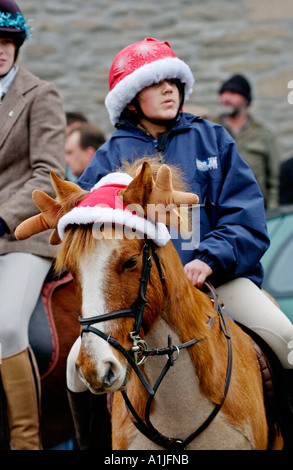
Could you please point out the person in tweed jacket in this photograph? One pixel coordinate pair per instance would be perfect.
(32, 142)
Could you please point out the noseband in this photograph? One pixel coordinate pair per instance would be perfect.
(140, 352)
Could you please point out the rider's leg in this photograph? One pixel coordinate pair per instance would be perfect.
(21, 279)
(251, 307)
(90, 414)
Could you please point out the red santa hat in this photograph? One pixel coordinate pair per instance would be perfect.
(103, 206)
(140, 65)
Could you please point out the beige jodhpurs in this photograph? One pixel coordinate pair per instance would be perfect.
(248, 305)
(21, 280)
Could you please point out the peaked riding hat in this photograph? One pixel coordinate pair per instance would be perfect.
(12, 21)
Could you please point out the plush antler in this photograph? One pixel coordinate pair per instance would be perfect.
(157, 198)
(163, 192)
(47, 219)
(164, 200)
(51, 209)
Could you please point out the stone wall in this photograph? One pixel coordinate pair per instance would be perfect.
(75, 41)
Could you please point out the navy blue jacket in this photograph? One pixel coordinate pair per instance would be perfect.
(233, 233)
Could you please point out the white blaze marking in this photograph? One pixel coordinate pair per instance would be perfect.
(92, 274)
(92, 277)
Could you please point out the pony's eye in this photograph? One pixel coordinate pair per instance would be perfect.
(130, 263)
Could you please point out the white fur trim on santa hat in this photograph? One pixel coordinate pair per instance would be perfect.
(114, 178)
(154, 72)
(122, 218)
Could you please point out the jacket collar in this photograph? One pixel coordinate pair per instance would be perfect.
(126, 128)
(15, 100)
(7, 80)
(24, 82)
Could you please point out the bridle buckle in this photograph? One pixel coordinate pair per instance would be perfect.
(139, 345)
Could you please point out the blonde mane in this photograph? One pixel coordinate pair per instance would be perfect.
(77, 238)
(155, 161)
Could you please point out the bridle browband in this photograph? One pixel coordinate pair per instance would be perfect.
(140, 352)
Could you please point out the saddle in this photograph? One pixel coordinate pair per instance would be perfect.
(273, 384)
(43, 336)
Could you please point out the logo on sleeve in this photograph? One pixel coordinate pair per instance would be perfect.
(210, 163)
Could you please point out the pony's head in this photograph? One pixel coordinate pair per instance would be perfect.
(109, 242)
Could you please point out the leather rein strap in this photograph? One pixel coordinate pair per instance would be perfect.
(136, 311)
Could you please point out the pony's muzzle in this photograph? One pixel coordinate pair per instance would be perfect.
(105, 376)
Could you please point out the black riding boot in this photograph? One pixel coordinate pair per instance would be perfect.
(91, 420)
(289, 440)
(287, 411)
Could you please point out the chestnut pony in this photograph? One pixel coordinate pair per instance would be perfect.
(184, 375)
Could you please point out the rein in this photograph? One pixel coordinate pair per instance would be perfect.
(141, 352)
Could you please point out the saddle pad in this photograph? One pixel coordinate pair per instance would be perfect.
(265, 372)
(43, 335)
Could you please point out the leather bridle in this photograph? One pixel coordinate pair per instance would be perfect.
(140, 352)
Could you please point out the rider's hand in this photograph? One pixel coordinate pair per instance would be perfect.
(197, 271)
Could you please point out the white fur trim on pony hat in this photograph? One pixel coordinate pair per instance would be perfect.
(114, 178)
(103, 206)
(140, 65)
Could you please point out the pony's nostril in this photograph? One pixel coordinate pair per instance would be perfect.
(109, 376)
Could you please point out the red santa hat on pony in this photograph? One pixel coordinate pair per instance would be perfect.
(140, 65)
(103, 206)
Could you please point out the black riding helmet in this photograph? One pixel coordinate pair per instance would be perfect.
(13, 24)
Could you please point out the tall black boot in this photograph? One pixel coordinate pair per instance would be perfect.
(91, 419)
(288, 412)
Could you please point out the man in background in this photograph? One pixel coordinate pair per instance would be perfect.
(73, 118)
(255, 143)
(82, 141)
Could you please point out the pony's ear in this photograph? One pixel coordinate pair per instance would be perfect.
(65, 189)
(138, 191)
(68, 196)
